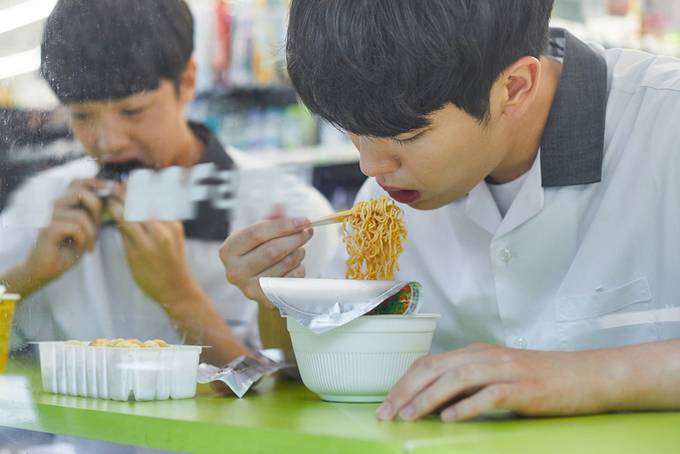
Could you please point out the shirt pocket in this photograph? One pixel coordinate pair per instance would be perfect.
(617, 316)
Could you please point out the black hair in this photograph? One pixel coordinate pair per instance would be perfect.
(380, 67)
(109, 49)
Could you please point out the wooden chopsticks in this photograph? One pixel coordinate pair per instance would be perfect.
(334, 218)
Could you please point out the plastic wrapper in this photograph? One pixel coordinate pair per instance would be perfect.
(324, 304)
(244, 372)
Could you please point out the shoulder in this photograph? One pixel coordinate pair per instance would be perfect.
(643, 107)
(632, 71)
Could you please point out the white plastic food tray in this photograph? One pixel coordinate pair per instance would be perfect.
(119, 373)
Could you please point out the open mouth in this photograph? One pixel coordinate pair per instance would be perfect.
(406, 196)
(119, 171)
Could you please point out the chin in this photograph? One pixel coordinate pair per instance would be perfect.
(433, 203)
(426, 204)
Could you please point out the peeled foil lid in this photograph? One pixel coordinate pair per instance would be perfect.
(324, 304)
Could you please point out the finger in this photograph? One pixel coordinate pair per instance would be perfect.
(478, 347)
(91, 184)
(154, 229)
(251, 237)
(165, 230)
(278, 211)
(265, 257)
(427, 369)
(289, 264)
(136, 234)
(497, 396)
(81, 219)
(421, 374)
(128, 243)
(452, 385)
(161, 234)
(298, 272)
(117, 210)
(118, 190)
(148, 235)
(289, 267)
(83, 200)
(82, 194)
(177, 228)
(68, 234)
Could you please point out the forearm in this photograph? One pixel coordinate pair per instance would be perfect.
(200, 324)
(644, 377)
(273, 330)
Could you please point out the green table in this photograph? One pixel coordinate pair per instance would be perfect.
(285, 417)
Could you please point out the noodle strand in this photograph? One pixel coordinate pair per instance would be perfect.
(374, 237)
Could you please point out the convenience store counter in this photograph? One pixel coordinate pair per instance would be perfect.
(286, 417)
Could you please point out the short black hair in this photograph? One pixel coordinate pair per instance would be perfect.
(109, 49)
(380, 67)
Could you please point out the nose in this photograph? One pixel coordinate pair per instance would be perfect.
(375, 158)
(112, 137)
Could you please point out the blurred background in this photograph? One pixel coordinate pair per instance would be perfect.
(243, 93)
(243, 96)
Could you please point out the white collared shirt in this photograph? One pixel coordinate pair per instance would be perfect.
(575, 265)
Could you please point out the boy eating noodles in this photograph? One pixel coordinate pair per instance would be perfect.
(538, 177)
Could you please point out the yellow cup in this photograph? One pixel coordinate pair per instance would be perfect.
(7, 303)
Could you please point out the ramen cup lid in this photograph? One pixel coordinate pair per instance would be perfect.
(324, 304)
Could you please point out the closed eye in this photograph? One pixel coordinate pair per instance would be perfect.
(80, 116)
(132, 112)
(410, 139)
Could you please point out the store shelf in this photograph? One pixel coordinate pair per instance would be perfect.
(313, 156)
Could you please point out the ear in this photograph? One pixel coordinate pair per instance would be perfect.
(187, 84)
(519, 85)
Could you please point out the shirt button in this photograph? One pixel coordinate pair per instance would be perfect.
(505, 255)
(521, 343)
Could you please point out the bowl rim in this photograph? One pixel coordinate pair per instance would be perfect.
(390, 316)
(366, 322)
(401, 316)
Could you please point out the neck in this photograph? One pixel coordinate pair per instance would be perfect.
(528, 130)
(192, 147)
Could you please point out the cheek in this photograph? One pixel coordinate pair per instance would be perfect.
(85, 134)
(432, 171)
(154, 139)
(154, 145)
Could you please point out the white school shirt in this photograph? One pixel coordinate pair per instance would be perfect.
(504, 194)
(98, 297)
(588, 254)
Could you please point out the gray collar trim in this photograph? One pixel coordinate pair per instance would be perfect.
(572, 147)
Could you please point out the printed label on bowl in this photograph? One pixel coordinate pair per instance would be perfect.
(405, 302)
